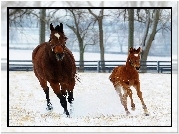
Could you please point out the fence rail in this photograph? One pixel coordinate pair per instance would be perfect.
(155, 66)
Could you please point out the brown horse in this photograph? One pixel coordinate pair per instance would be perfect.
(123, 77)
(53, 62)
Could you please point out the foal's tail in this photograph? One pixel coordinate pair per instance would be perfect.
(112, 76)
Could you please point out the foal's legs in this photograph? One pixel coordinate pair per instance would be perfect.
(139, 93)
(61, 95)
(129, 92)
(123, 97)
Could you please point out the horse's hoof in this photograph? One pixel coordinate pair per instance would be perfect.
(133, 108)
(49, 108)
(67, 113)
(70, 100)
(68, 116)
(127, 112)
(146, 114)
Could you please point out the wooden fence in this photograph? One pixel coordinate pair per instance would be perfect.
(154, 66)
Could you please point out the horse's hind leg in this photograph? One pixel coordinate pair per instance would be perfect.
(66, 88)
(123, 97)
(70, 91)
(70, 97)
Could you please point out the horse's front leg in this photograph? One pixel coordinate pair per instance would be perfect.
(129, 92)
(43, 84)
(139, 93)
(61, 94)
(49, 104)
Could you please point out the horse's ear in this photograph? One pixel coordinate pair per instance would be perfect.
(130, 50)
(51, 27)
(66, 38)
(61, 26)
(139, 50)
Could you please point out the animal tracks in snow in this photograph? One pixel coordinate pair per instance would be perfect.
(96, 102)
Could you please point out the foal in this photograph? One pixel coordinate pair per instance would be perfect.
(123, 77)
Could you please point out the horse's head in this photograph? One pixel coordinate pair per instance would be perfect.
(134, 57)
(57, 41)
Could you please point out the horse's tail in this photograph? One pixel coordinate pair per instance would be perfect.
(77, 77)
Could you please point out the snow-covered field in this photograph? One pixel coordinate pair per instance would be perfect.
(96, 102)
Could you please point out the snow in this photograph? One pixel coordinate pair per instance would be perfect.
(96, 102)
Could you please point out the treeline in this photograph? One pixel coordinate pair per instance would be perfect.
(104, 30)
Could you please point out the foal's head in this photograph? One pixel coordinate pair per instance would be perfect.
(57, 41)
(134, 57)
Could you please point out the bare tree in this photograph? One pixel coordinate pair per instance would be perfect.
(147, 42)
(18, 17)
(131, 28)
(99, 19)
(154, 21)
(80, 27)
(42, 25)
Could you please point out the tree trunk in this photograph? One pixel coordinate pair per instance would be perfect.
(147, 28)
(81, 64)
(100, 25)
(131, 28)
(80, 37)
(143, 44)
(148, 43)
(81, 46)
(42, 25)
(101, 45)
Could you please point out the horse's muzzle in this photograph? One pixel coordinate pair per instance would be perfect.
(137, 68)
(59, 56)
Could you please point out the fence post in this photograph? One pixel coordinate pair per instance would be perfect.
(158, 65)
(98, 66)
